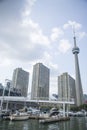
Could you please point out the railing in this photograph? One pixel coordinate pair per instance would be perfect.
(26, 99)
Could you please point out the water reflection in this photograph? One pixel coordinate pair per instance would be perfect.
(64, 125)
(53, 126)
(25, 126)
(78, 123)
(74, 124)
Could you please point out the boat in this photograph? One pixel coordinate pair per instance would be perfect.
(18, 116)
(4, 114)
(79, 114)
(33, 111)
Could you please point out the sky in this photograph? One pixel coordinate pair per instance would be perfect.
(33, 31)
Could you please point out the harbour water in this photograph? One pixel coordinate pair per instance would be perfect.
(75, 123)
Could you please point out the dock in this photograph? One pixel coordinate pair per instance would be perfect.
(54, 119)
(37, 117)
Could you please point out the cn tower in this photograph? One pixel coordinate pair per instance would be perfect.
(78, 84)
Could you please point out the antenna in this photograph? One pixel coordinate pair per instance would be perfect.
(73, 30)
(73, 27)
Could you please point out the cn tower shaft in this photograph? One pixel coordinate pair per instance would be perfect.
(78, 84)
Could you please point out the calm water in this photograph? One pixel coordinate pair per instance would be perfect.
(74, 124)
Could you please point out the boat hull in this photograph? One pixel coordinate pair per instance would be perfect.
(19, 117)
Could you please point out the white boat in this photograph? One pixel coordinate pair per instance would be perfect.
(44, 116)
(33, 111)
(19, 116)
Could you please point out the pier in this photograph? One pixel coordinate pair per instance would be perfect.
(54, 119)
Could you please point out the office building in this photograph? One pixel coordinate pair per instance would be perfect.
(66, 87)
(40, 82)
(78, 84)
(20, 80)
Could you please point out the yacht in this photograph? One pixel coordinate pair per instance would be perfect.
(18, 116)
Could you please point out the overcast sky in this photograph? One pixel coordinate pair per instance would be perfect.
(33, 31)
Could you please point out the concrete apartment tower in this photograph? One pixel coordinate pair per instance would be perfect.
(66, 87)
(79, 91)
(40, 82)
(20, 80)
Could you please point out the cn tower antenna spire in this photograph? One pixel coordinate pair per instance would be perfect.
(73, 30)
(74, 35)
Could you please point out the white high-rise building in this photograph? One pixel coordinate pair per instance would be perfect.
(66, 87)
(40, 82)
(20, 80)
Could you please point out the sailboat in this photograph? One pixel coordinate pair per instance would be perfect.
(19, 116)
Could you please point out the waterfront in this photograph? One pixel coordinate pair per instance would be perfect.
(75, 123)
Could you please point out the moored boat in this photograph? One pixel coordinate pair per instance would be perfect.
(19, 116)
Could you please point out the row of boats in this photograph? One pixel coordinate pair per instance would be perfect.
(22, 114)
(35, 113)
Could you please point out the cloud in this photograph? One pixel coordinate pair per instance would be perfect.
(5, 62)
(64, 46)
(76, 27)
(54, 66)
(82, 35)
(56, 33)
(28, 8)
(72, 24)
(34, 32)
(47, 59)
(25, 41)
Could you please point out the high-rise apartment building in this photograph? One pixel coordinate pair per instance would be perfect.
(40, 82)
(66, 87)
(20, 80)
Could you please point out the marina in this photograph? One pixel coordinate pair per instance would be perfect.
(43, 66)
(30, 113)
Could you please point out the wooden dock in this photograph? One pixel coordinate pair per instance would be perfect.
(54, 119)
(37, 117)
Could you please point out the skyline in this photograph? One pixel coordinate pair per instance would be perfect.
(33, 31)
